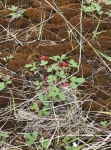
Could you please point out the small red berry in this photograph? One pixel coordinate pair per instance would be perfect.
(42, 58)
(64, 64)
(65, 84)
(46, 78)
(52, 43)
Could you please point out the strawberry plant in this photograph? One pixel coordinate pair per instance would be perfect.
(56, 79)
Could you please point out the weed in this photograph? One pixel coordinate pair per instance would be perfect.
(16, 12)
(4, 134)
(31, 138)
(5, 80)
(57, 73)
(104, 123)
(107, 2)
(43, 143)
(7, 58)
(92, 7)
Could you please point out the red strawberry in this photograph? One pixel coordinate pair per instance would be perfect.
(65, 84)
(42, 58)
(64, 64)
(46, 78)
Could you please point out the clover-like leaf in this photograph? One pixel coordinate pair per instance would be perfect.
(31, 138)
(44, 142)
(73, 85)
(61, 96)
(13, 8)
(34, 106)
(2, 86)
(79, 80)
(43, 63)
(73, 78)
(4, 134)
(63, 56)
(104, 123)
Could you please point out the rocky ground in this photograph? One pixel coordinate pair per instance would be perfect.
(52, 28)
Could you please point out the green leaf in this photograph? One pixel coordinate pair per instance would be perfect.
(4, 58)
(73, 78)
(51, 78)
(55, 67)
(79, 80)
(9, 82)
(22, 11)
(45, 108)
(55, 89)
(41, 97)
(46, 103)
(15, 15)
(68, 147)
(63, 56)
(88, 1)
(43, 63)
(0, 75)
(29, 143)
(49, 69)
(33, 68)
(61, 96)
(53, 94)
(55, 58)
(28, 136)
(61, 73)
(40, 113)
(73, 63)
(46, 113)
(104, 123)
(38, 87)
(36, 83)
(4, 134)
(13, 8)
(35, 135)
(2, 86)
(28, 65)
(31, 138)
(75, 148)
(73, 85)
(35, 106)
(107, 2)
(45, 143)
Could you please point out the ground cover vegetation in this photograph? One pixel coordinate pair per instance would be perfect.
(55, 74)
